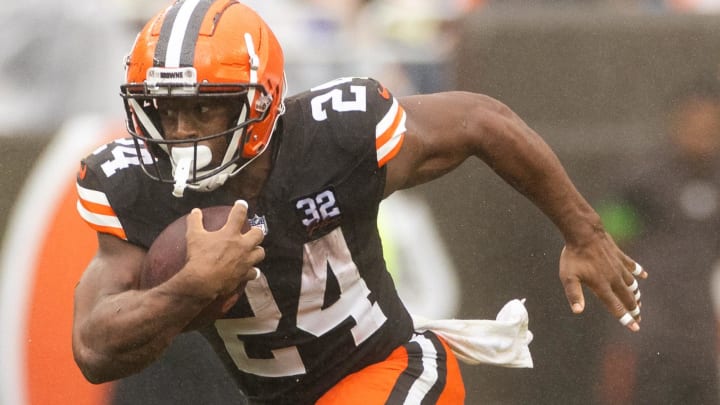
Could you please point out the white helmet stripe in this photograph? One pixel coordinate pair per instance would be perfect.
(179, 45)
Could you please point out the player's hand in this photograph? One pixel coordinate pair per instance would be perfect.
(608, 272)
(225, 259)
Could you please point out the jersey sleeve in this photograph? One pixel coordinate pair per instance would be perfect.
(117, 197)
(93, 203)
(362, 116)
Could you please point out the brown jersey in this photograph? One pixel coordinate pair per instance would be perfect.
(325, 305)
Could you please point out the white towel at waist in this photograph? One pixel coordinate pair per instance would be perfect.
(501, 342)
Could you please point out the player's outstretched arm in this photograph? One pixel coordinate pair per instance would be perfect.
(444, 129)
(119, 330)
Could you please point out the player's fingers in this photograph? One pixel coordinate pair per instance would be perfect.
(634, 268)
(621, 303)
(637, 270)
(256, 255)
(626, 291)
(574, 294)
(195, 221)
(258, 273)
(634, 289)
(232, 300)
(254, 236)
(629, 280)
(253, 273)
(630, 319)
(632, 284)
(237, 217)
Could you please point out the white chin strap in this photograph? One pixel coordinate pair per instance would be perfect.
(183, 164)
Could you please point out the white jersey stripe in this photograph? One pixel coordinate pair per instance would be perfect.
(390, 144)
(98, 219)
(387, 120)
(388, 147)
(92, 196)
(396, 137)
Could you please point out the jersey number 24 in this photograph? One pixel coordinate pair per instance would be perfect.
(329, 253)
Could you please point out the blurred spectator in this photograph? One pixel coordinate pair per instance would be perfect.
(669, 218)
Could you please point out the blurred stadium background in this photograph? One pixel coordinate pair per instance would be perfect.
(592, 77)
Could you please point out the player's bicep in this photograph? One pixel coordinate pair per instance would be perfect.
(436, 140)
(115, 268)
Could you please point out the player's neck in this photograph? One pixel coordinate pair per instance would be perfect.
(248, 184)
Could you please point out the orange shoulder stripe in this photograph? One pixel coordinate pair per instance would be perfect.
(96, 208)
(391, 154)
(390, 133)
(383, 138)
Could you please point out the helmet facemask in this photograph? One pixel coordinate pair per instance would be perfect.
(185, 162)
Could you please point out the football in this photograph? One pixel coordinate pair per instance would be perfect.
(167, 255)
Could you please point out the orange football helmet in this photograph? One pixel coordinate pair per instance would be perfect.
(204, 48)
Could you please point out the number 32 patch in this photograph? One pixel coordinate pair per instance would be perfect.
(318, 211)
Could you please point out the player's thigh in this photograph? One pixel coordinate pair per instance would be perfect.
(424, 370)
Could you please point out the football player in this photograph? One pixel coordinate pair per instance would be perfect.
(320, 320)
